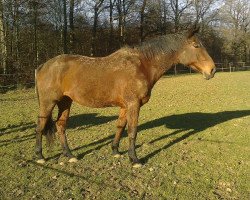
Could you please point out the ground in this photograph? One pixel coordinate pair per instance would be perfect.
(193, 139)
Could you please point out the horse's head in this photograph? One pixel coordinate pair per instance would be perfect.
(195, 55)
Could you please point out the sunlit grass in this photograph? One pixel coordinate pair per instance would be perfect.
(193, 138)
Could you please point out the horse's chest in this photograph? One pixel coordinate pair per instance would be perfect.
(143, 91)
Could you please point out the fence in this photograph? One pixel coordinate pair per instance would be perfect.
(13, 81)
(220, 67)
(231, 67)
(26, 80)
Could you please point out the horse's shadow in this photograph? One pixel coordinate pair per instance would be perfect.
(16, 128)
(83, 121)
(16, 137)
(191, 122)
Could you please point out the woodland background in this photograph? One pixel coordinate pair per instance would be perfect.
(33, 31)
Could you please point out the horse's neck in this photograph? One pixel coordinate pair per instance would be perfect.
(158, 65)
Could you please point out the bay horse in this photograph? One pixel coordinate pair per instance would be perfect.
(124, 79)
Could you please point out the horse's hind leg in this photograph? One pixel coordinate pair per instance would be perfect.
(44, 125)
(121, 124)
(63, 115)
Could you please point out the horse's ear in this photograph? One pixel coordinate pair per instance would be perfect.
(191, 32)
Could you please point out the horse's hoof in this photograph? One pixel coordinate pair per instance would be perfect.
(73, 160)
(117, 155)
(40, 161)
(137, 165)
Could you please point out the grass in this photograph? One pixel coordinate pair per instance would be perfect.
(193, 137)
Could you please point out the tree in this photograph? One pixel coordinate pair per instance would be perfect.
(178, 7)
(71, 25)
(97, 10)
(235, 18)
(203, 8)
(152, 20)
(142, 16)
(65, 27)
(3, 50)
(123, 8)
(111, 24)
(34, 9)
(164, 15)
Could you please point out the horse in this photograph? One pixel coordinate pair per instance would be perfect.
(124, 79)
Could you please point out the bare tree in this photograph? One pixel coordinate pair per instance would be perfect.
(204, 12)
(142, 16)
(178, 7)
(97, 10)
(123, 8)
(71, 25)
(65, 28)
(235, 15)
(151, 20)
(15, 28)
(164, 15)
(54, 14)
(3, 49)
(111, 23)
(34, 5)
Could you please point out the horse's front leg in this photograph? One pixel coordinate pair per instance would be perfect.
(132, 118)
(121, 124)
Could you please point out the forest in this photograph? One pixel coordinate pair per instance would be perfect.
(32, 31)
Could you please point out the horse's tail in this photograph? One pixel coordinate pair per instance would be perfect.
(49, 129)
(36, 90)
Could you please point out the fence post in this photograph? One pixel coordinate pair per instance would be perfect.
(175, 70)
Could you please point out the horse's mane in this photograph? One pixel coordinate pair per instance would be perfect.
(163, 44)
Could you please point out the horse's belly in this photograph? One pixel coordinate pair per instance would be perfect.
(93, 99)
(94, 102)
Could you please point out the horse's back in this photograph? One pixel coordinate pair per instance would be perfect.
(122, 62)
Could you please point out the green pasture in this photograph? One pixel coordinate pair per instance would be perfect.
(194, 138)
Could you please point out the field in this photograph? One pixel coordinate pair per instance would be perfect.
(194, 138)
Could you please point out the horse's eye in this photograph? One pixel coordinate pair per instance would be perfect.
(196, 45)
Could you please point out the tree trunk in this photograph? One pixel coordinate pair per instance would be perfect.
(35, 8)
(3, 49)
(111, 25)
(121, 20)
(176, 17)
(164, 26)
(119, 9)
(65, 29)
(71, 25)
(16, 33)
(93, 39)
(142, 13)
(97, 10)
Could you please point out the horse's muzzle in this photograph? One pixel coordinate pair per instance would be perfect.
(211, 75)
